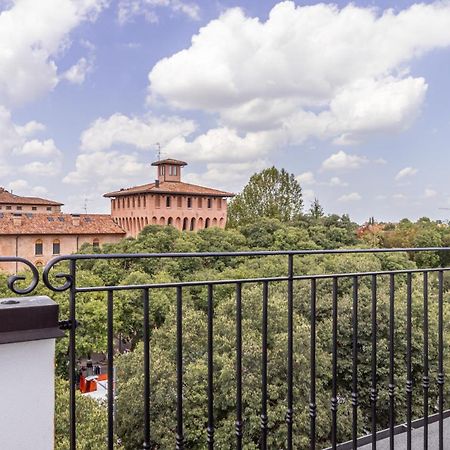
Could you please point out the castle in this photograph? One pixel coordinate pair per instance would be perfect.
(36, 229)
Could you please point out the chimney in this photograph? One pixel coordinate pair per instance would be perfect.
(157, 183)
(75, 220)
(17, 219)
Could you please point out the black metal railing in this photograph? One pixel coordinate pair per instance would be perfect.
(377, 278)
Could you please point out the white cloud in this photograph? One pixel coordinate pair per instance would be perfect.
(41, 169)
(399, 196)
(343, 161)
(429, 193)
(406, 173)
(336, 181)
(31, 36)
(352, 197)
(108, 170)
(78, 72)
(306, 178)
(127, 10)
(310, 71)
(24, 188)
(142, 133)
(39, 149)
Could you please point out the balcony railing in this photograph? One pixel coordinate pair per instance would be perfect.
(349, 389)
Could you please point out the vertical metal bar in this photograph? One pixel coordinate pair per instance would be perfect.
(210, 429)
(290, 351)
(72, 355)
(264, 418)
(391, 389)
(409, 382)
(312, 398)
(145, 298)
(110, 332)
(440, 377)
(373, 390)
(180, 431)
(355, 363)
(239, 424)
(425, 379)
(334, 399)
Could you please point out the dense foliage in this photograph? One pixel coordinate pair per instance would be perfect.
(277, 226)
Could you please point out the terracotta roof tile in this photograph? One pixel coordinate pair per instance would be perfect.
(171, 187)
(175, 162)
(8, 198)
(37, 224)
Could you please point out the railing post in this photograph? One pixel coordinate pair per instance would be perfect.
(28, 328)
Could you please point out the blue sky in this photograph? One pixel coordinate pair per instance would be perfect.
(353, 99)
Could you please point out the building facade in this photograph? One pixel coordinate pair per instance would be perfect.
(168, 201)
(11, 203)
(41, 237)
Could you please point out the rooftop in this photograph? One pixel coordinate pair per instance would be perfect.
(174, 162)
(41, 224)
(170, 187)
(7, 197)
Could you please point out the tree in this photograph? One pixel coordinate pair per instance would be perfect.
(316, 210)
(270, 193)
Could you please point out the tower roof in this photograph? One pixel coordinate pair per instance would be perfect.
(173, 162)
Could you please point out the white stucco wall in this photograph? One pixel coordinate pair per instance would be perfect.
(27, 397)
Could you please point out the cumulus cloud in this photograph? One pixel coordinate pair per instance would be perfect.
(141, 132)
(23, 187)
(343, 161)
(311, 71)
(336, 181)
(406, 173)
(127, 10)
(31, 35)
(429, 193)
(108, 170)
(352, 197)
(41, 169)
(306, 178)
(38, 149)
(78, 72)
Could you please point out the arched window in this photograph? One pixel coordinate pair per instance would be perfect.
(56, 247)
(193, 224)
(185, 223)
(170, 221)
(207, 223)
(38, 247)
(96, 243)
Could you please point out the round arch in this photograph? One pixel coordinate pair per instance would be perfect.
(192, 227)
(185, 223)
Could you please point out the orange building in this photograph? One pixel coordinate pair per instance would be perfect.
(40, 237)
(35, 205)
(169, 201)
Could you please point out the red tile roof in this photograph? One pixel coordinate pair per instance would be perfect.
(8, 198)
(170, 187)
(37, 224)
(174, 162)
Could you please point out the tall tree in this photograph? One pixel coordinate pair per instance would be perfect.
(270, 193)
(316, 210)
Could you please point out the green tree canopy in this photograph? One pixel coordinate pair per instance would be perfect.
(270, 193)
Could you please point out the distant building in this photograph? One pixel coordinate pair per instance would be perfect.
(15, 203)
(40, 237)
(169, 201)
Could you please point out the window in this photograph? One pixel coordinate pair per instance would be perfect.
(161, 170)
(219, 203)
(139, 201)
(145, 201)
(128, 202)
(96, 243)
(49, 208)
(189, 202)
(200, 202)
(34, 208)
(134, 201)
(56, 247)
(179, 202)
(157, 201)
(38, 247)
(168, 201)
(209, 203)
(175, 170)
(19, 208)
(170, 170)
(8, 207)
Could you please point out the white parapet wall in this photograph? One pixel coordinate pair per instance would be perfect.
(28, 328)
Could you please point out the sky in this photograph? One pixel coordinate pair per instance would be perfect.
(352, 98)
